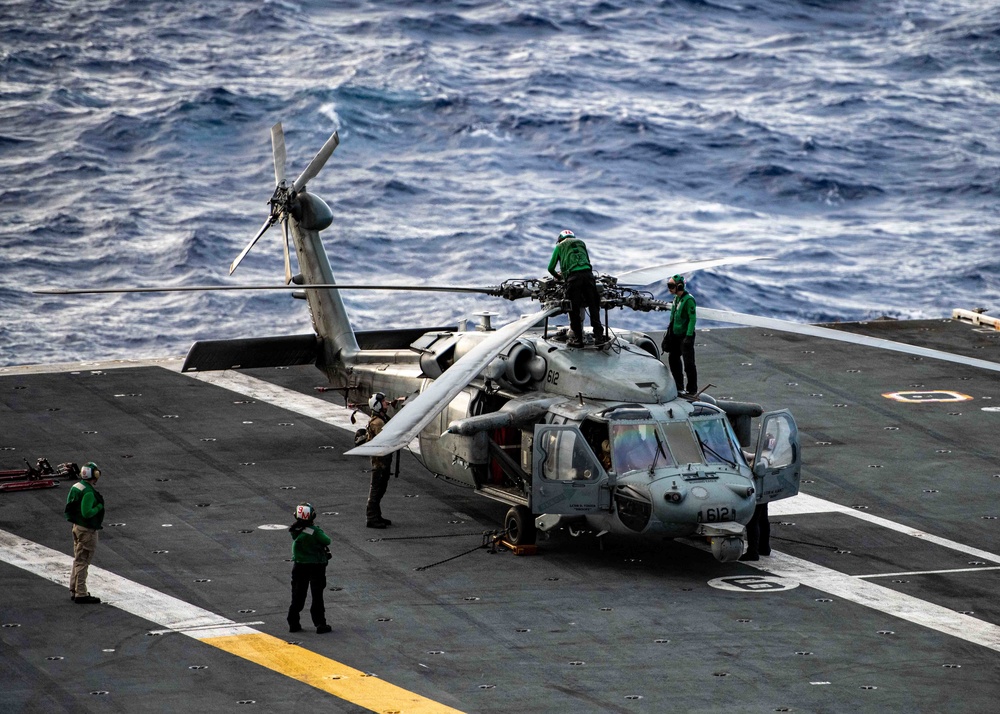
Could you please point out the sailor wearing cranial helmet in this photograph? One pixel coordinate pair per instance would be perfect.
(85, 510)
(678, 342)
(310, 555)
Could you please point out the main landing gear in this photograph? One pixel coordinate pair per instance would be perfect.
(520, 526)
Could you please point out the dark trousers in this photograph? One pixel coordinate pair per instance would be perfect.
(759, 532)
(680, 348)
(306, 577)
(581, 289)
(380, 482)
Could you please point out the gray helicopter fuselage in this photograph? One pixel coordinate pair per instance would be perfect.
(656, 479)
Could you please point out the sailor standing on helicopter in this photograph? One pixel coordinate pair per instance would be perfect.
(678, 342)
(571, 255)
(381, 465)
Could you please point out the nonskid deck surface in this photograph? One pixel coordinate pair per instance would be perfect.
(880, 596)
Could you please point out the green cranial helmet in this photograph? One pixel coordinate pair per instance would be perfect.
(90, 471)
(564, 235)
(676, 281)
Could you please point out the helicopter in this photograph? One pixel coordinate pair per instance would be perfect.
(592, 439)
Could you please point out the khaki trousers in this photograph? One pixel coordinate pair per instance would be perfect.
(84, 545)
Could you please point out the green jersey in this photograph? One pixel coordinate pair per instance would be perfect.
(85, 506)
(682, 315)
(309, 543)
(571, 255)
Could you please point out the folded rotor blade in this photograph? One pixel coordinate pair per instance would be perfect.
(841, 336)
(316, 165)
(267, 224)
(400, 430)
(657, 273)
(288, 264)
(315, 286)
(278, 150)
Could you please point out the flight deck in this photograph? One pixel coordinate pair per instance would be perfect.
(880, 594)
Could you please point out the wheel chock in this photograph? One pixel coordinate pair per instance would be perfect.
(519, 549)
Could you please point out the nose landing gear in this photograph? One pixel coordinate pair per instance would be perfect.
(727, 539)
(727, 548)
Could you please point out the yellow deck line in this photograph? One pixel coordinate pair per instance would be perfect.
(338, 679)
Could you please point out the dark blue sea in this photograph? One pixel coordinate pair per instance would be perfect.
(855, 144)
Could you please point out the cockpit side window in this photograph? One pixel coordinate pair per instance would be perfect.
(567, 457)
(777, 450)
(635, 446)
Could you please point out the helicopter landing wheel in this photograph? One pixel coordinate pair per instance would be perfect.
(520, 526)
(727, 549)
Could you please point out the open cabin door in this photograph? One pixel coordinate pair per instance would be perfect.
(567, 478)
(777, 463)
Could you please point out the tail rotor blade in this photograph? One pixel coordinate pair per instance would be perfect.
(288, 263)
(278, 149)
(267, 224)
(317, 164)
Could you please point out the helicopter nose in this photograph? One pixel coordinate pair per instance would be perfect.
(678, 501)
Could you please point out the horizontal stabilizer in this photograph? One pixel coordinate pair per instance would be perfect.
(285, 351)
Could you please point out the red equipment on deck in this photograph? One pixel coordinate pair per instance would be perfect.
(32, 477)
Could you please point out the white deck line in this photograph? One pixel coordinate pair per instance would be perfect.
(876, 597)
(136, 599)
(804, 503)
(293, 401)
(883, 599)
(927, 572)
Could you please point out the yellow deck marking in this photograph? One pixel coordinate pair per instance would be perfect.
(338, 679)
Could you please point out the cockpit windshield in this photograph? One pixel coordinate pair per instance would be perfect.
(636, 446)
(718, 443)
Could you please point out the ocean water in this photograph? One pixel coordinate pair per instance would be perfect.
(854, 144)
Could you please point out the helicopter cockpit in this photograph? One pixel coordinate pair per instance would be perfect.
(668, 465)
(640, 442)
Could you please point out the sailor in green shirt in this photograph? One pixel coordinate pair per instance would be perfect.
(310, 555)
(85, 510)
(571, 256)
(678, 343)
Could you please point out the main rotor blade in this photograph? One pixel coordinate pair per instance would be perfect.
(316, 165)
(288, 264)
(278, 150)
(400, 430)
(831, 334)
(657, 273)
(267, 224)
(315, 286)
